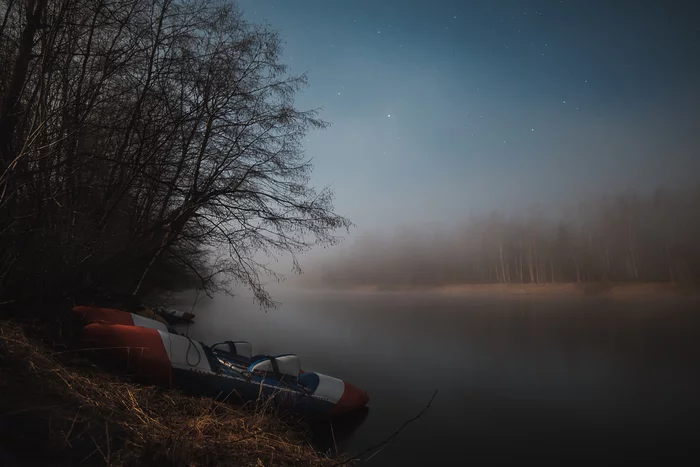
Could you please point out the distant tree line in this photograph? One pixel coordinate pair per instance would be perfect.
(623, 238)
(148, 143)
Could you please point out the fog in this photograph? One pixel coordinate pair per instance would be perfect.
(608, 382)
(629, 236)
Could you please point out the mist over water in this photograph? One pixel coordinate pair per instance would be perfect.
(642, 237)
(551, 380)
(159, 145)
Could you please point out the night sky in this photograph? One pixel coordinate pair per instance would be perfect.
(441, 109)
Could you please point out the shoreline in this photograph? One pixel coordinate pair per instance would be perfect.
(95, 415)
(624, 290)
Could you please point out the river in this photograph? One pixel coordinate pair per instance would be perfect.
(544, 380)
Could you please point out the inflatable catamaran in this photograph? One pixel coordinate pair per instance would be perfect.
(227, 369)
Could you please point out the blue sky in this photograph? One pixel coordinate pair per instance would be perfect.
(441, 109)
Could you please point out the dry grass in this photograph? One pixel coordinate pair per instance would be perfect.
(58, 407)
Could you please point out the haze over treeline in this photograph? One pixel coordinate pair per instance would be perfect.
(620, 238)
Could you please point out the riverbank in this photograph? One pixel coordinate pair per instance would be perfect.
(611, 290)
(58, 408)
(575, 289)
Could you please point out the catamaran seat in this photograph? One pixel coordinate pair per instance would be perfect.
(282, 367)
(240, 349)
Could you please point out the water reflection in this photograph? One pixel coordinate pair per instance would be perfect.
(613, 381)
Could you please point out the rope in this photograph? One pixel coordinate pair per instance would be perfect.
(187, 355)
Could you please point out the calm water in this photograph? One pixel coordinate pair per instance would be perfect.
(550, 381)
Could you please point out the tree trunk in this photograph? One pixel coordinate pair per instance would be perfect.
(551, 267)
(529, 262)
(8, 109)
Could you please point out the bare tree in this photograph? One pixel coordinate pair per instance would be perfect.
(143, 135)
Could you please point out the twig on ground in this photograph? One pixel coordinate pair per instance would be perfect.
(109, 450)
(335, 446)
(72, 425)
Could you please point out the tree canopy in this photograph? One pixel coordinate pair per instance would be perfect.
(143, 141)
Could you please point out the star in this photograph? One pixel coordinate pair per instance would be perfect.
(389, 116)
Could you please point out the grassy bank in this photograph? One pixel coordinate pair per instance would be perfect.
(58, 408)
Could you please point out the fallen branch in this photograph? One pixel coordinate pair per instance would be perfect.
(383, 444)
